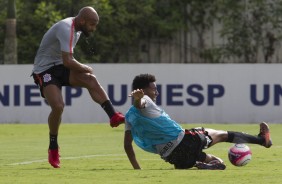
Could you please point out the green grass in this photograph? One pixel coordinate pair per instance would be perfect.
(93, 153)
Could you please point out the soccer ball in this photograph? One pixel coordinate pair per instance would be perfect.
(239, 154)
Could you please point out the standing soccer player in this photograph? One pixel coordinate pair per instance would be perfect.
(55, 66)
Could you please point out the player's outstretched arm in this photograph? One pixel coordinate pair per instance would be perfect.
(129, 149)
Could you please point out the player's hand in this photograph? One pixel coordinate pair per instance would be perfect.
(137, 94)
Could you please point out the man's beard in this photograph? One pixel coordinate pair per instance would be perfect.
(85, 32)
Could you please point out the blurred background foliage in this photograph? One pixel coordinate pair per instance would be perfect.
(247, 26)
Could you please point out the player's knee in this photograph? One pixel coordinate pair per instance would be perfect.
(219, 136)
(93, 78)
(59, 107)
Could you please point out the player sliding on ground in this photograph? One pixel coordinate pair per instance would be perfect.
(55, 66)
(154, 131)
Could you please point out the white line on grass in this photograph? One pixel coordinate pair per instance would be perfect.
(64, 158)
(91, 156)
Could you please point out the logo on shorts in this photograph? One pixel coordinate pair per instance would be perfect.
(166, 148)
(47, 77)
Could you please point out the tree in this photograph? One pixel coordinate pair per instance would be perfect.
(199, 18)
(251, 26)
(10, 48)
(3, 17)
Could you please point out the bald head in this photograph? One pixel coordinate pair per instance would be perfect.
(88, 13)
(86, 20)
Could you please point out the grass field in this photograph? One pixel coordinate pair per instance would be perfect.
(93, 153)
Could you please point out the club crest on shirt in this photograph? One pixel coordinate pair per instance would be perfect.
(47, 77)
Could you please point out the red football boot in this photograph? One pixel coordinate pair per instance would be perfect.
(265, 133)
(54, 157)
(117, 119)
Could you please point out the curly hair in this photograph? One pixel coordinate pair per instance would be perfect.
(142, 81)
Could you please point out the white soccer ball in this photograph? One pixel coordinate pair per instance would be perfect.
(239, 154)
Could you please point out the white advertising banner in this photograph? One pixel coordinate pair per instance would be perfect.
(190, 93)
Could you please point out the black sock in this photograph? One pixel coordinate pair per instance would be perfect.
(108, 108)
(53, 142)
(240, 137)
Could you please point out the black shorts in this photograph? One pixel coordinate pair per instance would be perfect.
(190, 149)
(57, 75)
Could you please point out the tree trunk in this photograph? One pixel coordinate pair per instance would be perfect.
(10, 43)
